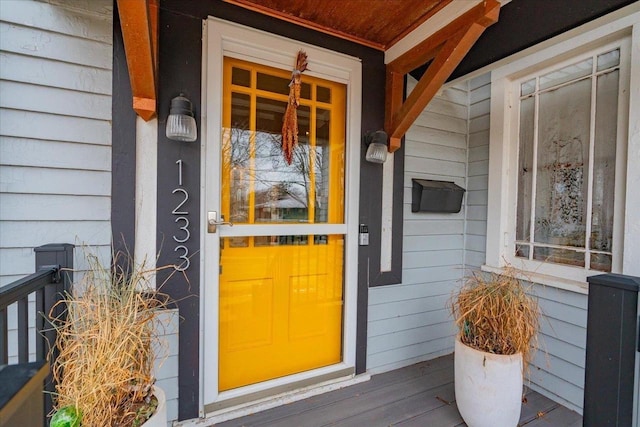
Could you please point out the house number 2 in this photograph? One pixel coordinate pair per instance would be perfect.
(182, 234)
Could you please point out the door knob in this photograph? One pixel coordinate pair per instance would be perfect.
(213, 222)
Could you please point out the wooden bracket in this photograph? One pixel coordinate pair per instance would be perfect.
(445, 49)
(139, 22)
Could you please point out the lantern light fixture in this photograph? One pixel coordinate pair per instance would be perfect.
(376, 146)
(181, 125)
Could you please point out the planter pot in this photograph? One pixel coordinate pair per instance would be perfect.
(488, 387)
(159, 418)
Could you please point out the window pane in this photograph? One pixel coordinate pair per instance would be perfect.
(563, 154)
(522, 251)
(237, 154)
(604, 161)
(236, 242)
(601, 262)
(525, 169)
(528, 87)
(240, 77)
(321, 239)
(277, 84)
(566, 74)
(608, 60)
(281, 240)
(273, 84)
(323, 94)
(559, 256)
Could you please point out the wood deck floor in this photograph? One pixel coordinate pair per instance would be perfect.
(418, 395)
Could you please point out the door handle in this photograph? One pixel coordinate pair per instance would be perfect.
(213, 223)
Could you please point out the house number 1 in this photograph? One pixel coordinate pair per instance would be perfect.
(181, 235)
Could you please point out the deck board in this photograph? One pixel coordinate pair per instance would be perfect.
(444, 416)
(535, 405)
(417, 395)
(558, 416)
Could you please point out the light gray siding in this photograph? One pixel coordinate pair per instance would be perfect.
(477, 178)
(55, 133)
(55, 129)
(410, 322)
(557, 369)
(55, 144)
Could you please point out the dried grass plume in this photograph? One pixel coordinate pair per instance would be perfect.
(494, 313)
(107, 339)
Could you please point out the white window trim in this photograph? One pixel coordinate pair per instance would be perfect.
(223, 38)
(503, 152)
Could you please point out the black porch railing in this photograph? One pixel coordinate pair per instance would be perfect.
(30, 369)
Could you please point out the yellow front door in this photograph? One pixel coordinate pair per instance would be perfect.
(281, 264)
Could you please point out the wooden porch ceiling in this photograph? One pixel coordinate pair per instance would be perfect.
(375, 23)
(379, 24)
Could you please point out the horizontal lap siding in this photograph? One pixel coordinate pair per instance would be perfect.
(410, 322)
(55, 145)
(55, 134)
(557, 370)
(478, 171)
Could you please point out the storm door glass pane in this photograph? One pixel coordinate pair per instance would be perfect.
(604, 162)
(562, 165)
(280, 188)
(525, 169)
(322, 158)
(238, 155)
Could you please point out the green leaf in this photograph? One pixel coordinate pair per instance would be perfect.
(69, 416)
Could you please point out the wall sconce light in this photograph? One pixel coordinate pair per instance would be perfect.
(377, 146)
(181, 126)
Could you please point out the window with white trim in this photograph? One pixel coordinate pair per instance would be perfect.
(566, 163)
(563, 131)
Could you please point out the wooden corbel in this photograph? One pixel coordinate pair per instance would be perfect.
(445, 49)
(139, 22)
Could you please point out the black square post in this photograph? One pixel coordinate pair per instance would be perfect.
(612, 344)
(61, 256)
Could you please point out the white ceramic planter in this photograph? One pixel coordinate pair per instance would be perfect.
(159, 418)
(488, 387)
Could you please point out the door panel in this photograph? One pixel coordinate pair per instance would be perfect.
(281, 294)
(280, 312)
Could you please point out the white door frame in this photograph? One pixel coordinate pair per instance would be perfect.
(222, 38)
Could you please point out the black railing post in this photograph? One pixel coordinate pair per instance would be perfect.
(47, 255)
(611, 350)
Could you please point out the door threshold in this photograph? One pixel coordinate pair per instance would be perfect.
(272, 401)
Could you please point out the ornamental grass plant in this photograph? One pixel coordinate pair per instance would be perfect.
(107, 340)
(496, 314)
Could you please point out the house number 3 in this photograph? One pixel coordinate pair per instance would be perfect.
(182, 234)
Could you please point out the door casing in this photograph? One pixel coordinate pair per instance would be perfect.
(222, 38)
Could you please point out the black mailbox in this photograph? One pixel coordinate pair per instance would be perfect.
(436, 196)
